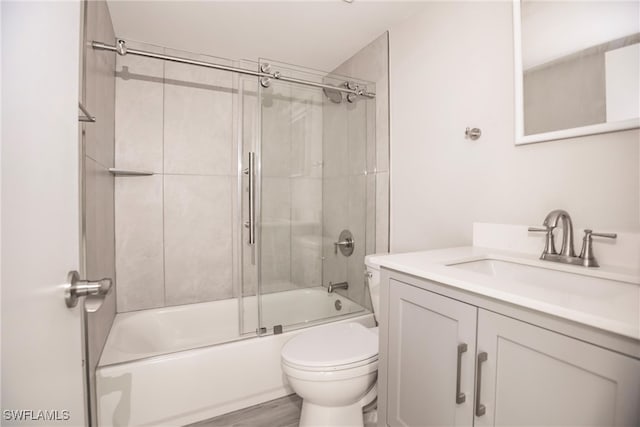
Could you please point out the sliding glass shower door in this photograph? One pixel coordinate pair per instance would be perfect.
(305, 182)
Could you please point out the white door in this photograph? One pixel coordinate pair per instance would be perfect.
(535, 377)
(431, 350)
(42, 382)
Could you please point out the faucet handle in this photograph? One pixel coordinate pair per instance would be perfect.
(586, 254)
(538, 229)
(608, 235)
(549, 246)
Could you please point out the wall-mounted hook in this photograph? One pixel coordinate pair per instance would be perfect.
(472, 134)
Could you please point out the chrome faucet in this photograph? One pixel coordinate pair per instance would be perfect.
(567, 253)
(333, 286)
(551, 221)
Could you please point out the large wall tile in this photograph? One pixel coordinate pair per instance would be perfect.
(371, 212)
(372, 63)
(139, 113)
(357, 138)
(306, 232)
(335, 200)
(139, 243)
(276, 199)
(197, 238)
(99, 234)
(98, 95)
(197, 120)
(306, 259)
(306, 200)
(334, 140)
(276, 256)
(99, 221)
(276, 131)
(99, 85)
(382, 212)
(357, 218)
(382, 125)
(306, 132)
(276, 234)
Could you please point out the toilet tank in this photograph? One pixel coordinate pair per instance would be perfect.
(373, 279)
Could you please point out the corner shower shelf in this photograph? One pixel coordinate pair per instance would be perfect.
(127, 172)
(86, 115)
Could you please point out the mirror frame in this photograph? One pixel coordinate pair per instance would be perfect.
(520, 137)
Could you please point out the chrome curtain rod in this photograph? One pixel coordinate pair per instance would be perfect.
(264, 74)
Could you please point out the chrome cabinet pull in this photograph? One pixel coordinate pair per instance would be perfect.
(480, 408)
(460, 397)
(77, 288)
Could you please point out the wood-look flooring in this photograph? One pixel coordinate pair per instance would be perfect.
(283, 412)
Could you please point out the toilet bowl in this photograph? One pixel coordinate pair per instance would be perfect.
(334, 368)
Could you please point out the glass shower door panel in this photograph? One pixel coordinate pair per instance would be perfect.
(291, 188)
(247, 110)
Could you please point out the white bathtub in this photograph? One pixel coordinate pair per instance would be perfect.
(177, 365)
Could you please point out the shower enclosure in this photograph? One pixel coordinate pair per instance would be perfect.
(304, 167)
(241, 180)
(244, 192)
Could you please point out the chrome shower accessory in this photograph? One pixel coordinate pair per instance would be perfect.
(345, 243)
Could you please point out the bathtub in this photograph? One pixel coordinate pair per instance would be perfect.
(178, 365)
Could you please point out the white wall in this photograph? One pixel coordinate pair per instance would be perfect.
(452, 67)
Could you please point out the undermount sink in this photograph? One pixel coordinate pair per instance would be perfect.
(529, 274)
(573, 291)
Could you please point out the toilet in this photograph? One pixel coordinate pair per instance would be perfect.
(334, 368)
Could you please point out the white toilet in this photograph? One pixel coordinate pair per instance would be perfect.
(334, 368)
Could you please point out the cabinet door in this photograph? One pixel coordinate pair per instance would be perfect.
(535, 377)
(426, 331)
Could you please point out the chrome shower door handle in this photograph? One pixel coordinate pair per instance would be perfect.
(77, 288)
(251, 172)
(480, 408)
(460, 397)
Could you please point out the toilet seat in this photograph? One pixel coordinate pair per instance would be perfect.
(332, 348)
(353, 365)
(329, 374)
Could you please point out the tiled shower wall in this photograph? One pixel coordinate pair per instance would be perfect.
(174, 229)
(178, 238)
(98, 95)
(356, 173)
(291, 187)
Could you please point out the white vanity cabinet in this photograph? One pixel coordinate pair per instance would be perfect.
(428, 335)
(513, 373)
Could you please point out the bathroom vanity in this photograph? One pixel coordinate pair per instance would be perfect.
(478, 336)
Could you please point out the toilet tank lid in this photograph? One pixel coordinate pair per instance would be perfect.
(373, 260)
(331, 345)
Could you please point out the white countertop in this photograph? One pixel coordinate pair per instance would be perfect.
(612, 306)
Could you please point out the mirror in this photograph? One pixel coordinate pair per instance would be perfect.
(577, 68)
